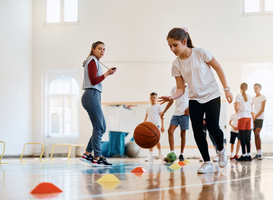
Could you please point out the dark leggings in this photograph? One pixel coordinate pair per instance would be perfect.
(212, 110)
(244, 136)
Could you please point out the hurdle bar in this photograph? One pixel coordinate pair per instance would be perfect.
(40, 155)
(59, 144)
(74, 145)
(3, 152)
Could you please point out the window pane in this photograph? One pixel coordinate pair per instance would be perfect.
(70, 10)
(64, 85)
(252, 5)
(53, 11)
(55, 123)
(268, 5)
(56, 111)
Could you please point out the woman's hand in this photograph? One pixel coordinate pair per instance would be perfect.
(164, 99)
(229, 96)
(112, 71)
(162, 129)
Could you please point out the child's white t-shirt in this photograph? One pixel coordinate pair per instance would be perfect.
(153, 114)
(234, 120)
(182, 103)
(245, 108)
(257, 101)
(198, 75)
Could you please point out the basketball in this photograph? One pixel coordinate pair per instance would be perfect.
(171, 157)
(146, 135)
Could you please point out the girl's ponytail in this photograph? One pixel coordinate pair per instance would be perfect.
(181, 34)
(244, 88)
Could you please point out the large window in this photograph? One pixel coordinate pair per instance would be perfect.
(62, 106)
(61, 11)
(257, 6)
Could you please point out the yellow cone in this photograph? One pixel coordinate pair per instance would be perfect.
(108, 185)
(187, 161)
(109, 178)
(175, 166)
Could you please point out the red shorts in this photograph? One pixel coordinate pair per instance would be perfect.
(244, 124)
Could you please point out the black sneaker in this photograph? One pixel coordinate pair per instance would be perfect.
(88, 159)
(260, 157)
(181, 158)
(242, 158)
(101, 162)
(249, 158)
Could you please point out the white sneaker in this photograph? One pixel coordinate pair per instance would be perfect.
(149, 159)
(161, 157)
(222, 158)
(216, 158)
(206, 167)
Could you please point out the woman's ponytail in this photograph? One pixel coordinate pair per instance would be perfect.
(94, 45)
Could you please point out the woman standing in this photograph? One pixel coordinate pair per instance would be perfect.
(91, 101)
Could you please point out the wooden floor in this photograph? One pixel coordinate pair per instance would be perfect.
(245, 180)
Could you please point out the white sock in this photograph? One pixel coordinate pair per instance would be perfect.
(248, 154)
(232, 154)
(181, 154)
(259, 152)
(244, 155)
(151, 153)
(159, 151)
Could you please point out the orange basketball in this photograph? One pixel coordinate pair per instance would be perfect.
(146, 135)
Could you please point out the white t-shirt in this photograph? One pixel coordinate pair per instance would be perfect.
(182, 103)
(257, 101)
(245, 108)
(198, 75)
(234, 121)
(153, 114)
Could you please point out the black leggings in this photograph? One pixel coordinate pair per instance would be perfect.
(212, 110)
(244, 136)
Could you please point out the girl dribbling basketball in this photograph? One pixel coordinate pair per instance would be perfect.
(193, 66)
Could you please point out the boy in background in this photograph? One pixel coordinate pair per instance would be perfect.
(153, 114)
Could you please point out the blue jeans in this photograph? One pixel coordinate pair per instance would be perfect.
(91, 101)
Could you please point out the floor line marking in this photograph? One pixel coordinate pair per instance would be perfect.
(159, 189)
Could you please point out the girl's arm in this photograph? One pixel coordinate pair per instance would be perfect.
(178, 93)
(217, 67)
(235, 128)
(237, 105)
(162, 123)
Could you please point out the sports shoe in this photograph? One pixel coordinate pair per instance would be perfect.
(216, 158)
(161, 157)
(248, 158)
(242, 158)
(166, 159)
(234, 157)
(201, 159)
(149, 159)
(256, 157)
(222, 158)
(88, 159)
(181, 157)
(206, 167)
(260, 157)
(101, 162)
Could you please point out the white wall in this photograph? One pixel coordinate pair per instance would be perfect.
(15, 76)
(135, 36)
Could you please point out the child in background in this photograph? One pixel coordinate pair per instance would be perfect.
(153, 114)
(234, 133)
(181, 118)
(243, 104)
(259, 105)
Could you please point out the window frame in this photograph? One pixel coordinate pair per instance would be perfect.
(47, 77)
(62, 22)
(261, 12)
